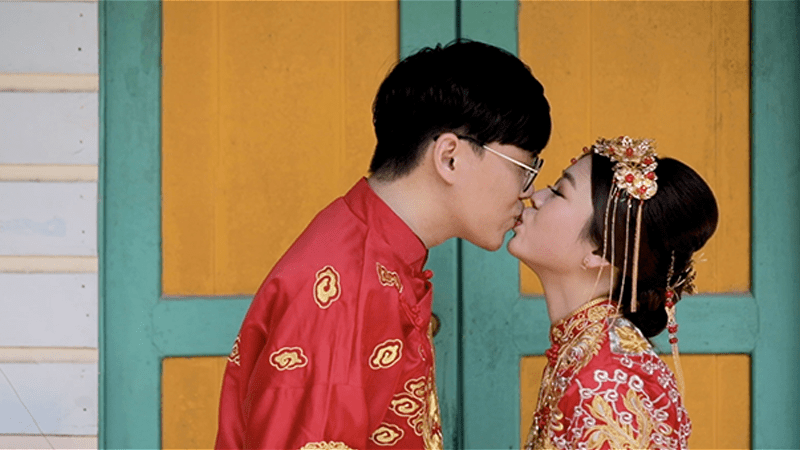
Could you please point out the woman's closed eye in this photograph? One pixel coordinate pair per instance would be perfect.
(555, 191)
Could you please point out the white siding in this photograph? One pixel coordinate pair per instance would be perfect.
(48, 37)
(48, 310)
(48, 219)
(48, 128)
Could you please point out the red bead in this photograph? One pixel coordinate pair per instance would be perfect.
(642, 189)
(573, 160)
(621, 138)
(629, 151)
(669, 304)
(647, 161)
(611, 150)
(673, 340)
(670, 294)
(629, 178)
(585, 149)
(673, 328)
(650, 175)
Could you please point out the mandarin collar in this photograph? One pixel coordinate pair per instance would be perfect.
(380, 218)
(568, 328)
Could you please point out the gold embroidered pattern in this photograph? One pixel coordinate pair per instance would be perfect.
(405, 405)
(612, 406)
(327, 287)
(629, 340)
(389, 278)
(387, 435)
(386, 355)
(288, 358)
(234, 356)
(325, 446)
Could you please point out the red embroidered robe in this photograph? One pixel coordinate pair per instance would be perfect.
(605, 388)
(335, 350)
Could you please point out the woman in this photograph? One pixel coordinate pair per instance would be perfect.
(612, 243)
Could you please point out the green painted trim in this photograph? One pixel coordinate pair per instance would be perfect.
(197, 326)
(427, 23)
(488, 21)
(101, 391)
(705, 326)
(776, 214)
(130, 219)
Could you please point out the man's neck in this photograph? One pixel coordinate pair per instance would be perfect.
(416, 203)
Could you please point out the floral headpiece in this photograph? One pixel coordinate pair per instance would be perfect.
(634, 171)
(634, 175)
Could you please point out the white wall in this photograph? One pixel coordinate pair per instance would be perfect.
(48, 224)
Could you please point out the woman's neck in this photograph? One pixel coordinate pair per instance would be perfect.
(564, 293)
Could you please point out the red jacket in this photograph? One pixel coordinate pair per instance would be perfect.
(335, 350)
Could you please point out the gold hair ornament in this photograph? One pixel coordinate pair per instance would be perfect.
(634, 178)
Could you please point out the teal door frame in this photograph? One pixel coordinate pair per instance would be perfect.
(764, 323)
(138, 328)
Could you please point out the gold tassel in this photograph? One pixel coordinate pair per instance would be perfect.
(635, 274)
(625, 261)
(678, 371)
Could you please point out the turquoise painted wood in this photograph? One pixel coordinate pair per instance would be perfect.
(427, 23)
(500, 326)
(776, 214)
(138, 327)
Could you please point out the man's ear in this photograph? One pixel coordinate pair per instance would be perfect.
(446, 156)
(594, 261)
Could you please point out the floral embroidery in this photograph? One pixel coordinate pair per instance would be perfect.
(611, 406)
(387, 435)
(288, 358)
(389, 278)
(234, 356)
(325, 446)
(386, 355)
(326, 287)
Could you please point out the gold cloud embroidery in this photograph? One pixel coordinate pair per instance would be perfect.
(387, 435)
(234, 356)
(327, 287)
(389, 278)
(288, 358)
(405, 405)
(386, 355)
(325, 446)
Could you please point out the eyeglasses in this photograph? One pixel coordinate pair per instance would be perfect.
(530, 171)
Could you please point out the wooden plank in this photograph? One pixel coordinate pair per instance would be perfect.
(48, 37)
(65, 442)
(776, 213)
(48, 82)
(48, 219)
(49, 128)
(48, 264)
(49, 310)
(190, 401)
(48, 355)
(42, 172)
(61, 397)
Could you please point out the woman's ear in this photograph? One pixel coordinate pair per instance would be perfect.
(594, 261)
(445, 154)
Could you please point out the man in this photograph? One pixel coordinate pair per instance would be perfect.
(336, 350)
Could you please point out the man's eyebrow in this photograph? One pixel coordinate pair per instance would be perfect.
(569, 178)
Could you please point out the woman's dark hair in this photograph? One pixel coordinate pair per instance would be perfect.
(678, 219)
(466, 87)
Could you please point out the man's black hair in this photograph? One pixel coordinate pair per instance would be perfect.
(467, 87)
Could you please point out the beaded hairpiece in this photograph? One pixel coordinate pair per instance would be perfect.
(634, 182)
(686, 279)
